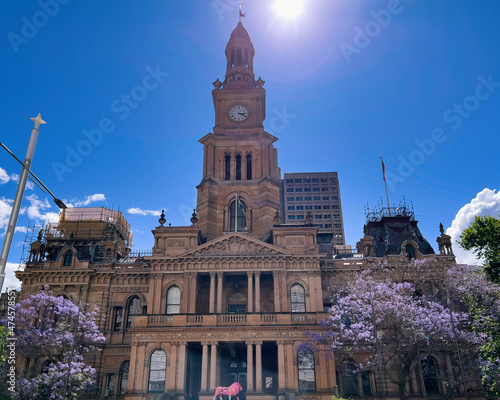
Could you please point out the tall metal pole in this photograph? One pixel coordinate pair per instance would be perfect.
(386, 192)
(11, 227)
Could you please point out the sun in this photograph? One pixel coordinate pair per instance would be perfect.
(289, 8)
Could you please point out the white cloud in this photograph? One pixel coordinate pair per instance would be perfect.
(5, 177)
(5, 210)
(139, 211)
(36, 210)
(10, 280)
(88, 200)
(22, 229)
(486, 203)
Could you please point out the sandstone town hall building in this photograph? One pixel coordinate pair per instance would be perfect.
(230, 297)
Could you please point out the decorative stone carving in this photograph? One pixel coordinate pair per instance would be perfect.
(235, 246)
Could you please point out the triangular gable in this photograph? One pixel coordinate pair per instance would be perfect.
(235, 244)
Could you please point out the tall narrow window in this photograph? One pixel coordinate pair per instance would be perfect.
(298, 299)
(157, 370)
(227, 167)
(366, 383)
(118, 319)
(430, 376)
(173, 300)
(123, 378)
(237, 213)
(249, 167)
(410, 252)
(349, 378)
(68, 258)
(305, 363)
(239, 57)
(237, 160)
(134, 308)
(110, 385)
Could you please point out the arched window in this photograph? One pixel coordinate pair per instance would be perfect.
(68, 258)
(227, 167)
(305, 364)
(237, 213)
(410, 252)
(429, 371)
(173, 300)
(349, 378)
(157, 370)
(298, 298)
(134, 308)
(249, 167)
(123, 378)
(237, 160)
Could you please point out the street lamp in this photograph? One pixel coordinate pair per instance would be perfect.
(9, 233)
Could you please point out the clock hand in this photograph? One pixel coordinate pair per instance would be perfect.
(244, 114)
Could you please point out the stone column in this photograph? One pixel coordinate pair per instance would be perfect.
(249, 366)
(258, 366)
(172, 364)
(321, 377)
(212, 293)
(184, 293)
(276, 287)
(181, 377)
(250, 292)
(192, 292)
(257, 292)
(220, 276)
(132, 367)
(281, 365)
(291, 381)
(285, 304)
(204, 367)
(142, 367)
(213, 365)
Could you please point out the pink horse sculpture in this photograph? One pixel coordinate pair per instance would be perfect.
(230, 391)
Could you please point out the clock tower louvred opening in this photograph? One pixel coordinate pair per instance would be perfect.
(240, 163)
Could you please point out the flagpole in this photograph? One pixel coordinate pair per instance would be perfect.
(385, 183)
(236, 214)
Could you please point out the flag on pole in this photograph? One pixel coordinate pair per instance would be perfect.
(241, 14)
(383, 168)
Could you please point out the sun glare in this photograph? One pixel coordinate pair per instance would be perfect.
(289, 8)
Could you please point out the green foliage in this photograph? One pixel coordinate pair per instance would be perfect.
(483, 238)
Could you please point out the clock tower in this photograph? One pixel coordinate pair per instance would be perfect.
(240, 186)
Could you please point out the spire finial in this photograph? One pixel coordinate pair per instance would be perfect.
(241, 14)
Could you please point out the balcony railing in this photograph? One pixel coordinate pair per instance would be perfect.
(254, 319)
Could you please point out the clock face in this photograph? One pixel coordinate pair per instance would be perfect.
(238, 113)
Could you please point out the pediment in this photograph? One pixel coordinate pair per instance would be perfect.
(235, 244)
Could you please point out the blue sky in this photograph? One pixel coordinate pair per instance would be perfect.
(417, 82)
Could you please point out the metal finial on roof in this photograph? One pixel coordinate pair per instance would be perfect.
(162, 219)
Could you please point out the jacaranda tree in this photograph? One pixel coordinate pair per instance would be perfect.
(53, 335)
(399, 317)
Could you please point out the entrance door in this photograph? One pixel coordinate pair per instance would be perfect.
(238, 373)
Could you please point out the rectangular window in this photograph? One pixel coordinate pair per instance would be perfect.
(315, 180)
(326, 207)
(110, 385)
(118, 318)
(298, 180)
(333, 180)
(289, 190)
(289, 199)
(291, 217)
(324, 189)
(289, 181)
(328, 226)
(291, 207)
(315, 189)
(335, 207)
(307, 189)
(333, 189)
(308, 207)
(299, 190)
(327, 216)
(326, 197)
(300, 207)
(300, 217)
(338, 226)
(308, 199)
(323, 180)
(318, 216)
(298, 199)
(336, 215)
(307, 181)
(335, 197)
(316, 198)
(317, 207)
(320, 226)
